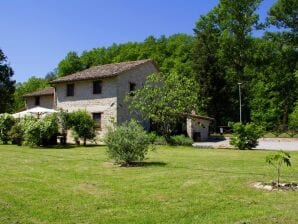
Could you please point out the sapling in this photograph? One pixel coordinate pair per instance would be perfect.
(277, 160)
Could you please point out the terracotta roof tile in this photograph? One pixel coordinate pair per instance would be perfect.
(46, 91)
(101, 71)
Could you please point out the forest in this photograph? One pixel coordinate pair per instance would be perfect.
(221, 56)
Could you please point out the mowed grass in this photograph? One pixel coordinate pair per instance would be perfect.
(176, 185)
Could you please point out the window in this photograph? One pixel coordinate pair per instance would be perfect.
(97, 119)
(37, 100)
(96, 87)
(132, 87)
(70, 90)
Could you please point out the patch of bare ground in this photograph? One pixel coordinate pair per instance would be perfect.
(273, 186)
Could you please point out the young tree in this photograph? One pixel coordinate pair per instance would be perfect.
(7, 87)
(277, 160)
(83, 125)
(163, 100)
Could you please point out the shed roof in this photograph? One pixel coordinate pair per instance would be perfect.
(102, 71)
(42, 92)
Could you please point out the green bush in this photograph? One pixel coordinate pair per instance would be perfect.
(6, 123)
(245, 136)
(82, 124)
(180, 140)
(160, 140)
(40, 132)
(16, 134)
(127, 143)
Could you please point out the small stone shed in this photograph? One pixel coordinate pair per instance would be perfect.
(197, 127)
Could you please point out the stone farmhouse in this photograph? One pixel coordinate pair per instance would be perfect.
(101, 91)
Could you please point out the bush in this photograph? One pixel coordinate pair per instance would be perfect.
(127, 143)
(180, 140)
(82, 124)
(38, 132)
(245, 136)
(16, 134)
(6, 123)
(160, 140)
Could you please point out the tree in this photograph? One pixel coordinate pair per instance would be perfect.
(277, 160)
(164, 101)
(214, 95)
(127, 143)
(293, 120)
(284, 14)
(274, 87)
(237, 18)
(83, 125)
(70, 64)
(7, 87)
(31, 85)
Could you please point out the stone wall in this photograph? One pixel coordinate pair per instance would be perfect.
(84, 99)
(137, 76)
(110, 102)
(46, 101)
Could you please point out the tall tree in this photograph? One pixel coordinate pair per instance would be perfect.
(214, 97)
(7, 87)
(284, 14)
(237, 19)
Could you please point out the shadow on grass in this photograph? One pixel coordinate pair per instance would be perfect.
(68, 146)
(143, 164)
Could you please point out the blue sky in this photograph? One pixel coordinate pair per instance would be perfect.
(37, 34)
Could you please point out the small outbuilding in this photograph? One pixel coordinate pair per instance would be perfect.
(197, 127)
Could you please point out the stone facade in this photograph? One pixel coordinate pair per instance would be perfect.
(110, 102)
(46, 101)
(198, 128)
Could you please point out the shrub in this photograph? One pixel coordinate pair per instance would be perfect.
(83, 125)
(39, 132)
(160, 140)
(16, 134)
(127, 143)
(180, 140)
(6, 123)
(245, 136)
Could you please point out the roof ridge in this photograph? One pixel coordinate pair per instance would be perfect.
(103, 71)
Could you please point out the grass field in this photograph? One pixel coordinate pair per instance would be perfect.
(177, 185)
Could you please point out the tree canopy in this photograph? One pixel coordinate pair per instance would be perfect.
(7, 87)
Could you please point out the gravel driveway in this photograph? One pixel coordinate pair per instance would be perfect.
(287, 144)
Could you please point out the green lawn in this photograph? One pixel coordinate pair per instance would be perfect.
(178, 185)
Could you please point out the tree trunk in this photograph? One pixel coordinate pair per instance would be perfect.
(85, 141)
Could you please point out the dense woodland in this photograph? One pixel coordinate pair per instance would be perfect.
(221, 53)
